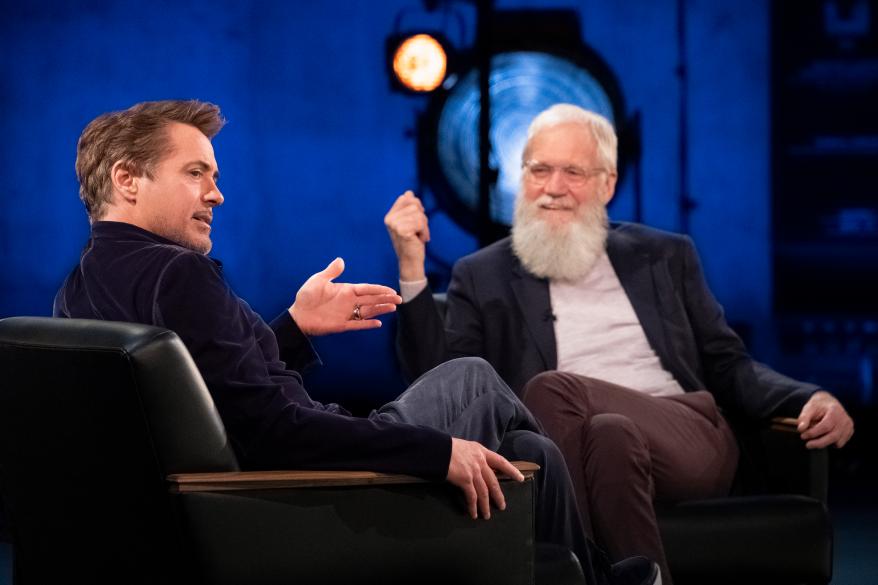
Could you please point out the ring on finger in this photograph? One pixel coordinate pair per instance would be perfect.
(357, 316)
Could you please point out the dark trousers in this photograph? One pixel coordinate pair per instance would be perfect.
(467, 399)
(626, 450)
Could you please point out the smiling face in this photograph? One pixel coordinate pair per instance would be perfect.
(177, 202)
(564, 172)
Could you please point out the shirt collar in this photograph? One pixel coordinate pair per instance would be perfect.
(122, 230)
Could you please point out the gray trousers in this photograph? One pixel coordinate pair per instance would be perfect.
(467, 399)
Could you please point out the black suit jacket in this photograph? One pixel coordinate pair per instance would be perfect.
(499, 311)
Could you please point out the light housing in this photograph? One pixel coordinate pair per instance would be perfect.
(418, 62)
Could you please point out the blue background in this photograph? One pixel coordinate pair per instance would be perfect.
(317, 147)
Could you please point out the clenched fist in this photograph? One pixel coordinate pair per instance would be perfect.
(409, 232)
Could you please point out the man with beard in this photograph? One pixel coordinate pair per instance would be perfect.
(610, 335)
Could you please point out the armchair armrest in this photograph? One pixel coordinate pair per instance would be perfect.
(790, 466)
(774, 460)
(350, 527)
(267, 480)
(785, 424)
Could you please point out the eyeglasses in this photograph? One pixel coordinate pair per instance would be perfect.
(574, 176)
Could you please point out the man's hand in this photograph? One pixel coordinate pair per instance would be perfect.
(409, 231)
(824, 421)
(472, 469)
(323, 306)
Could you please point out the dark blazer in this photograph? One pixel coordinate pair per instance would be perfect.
(499, 311)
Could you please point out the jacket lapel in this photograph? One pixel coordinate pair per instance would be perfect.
(532, 295)
(636, 269)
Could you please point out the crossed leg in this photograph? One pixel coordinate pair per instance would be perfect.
(625, 449)
(468, 399)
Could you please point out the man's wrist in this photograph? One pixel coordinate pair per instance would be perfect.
(412, 275)
(411, 270)
(293, 312)
(409, 289)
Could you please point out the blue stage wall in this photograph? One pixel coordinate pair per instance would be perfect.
(316, 147)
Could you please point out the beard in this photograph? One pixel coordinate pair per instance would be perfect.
(563, 252)
(195, 242)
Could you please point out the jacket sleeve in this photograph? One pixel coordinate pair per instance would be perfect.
(742, 386)
(269, 417)
(464, 322)
(424, 340)
(295, 347)
(420, 336)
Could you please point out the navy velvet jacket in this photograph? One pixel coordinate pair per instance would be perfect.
(129, 274)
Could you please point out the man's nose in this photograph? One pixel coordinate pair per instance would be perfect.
(214, 196)
(556, 186)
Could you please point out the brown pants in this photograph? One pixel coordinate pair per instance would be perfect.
(626, 449)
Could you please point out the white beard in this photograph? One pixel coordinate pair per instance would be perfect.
(560, 252)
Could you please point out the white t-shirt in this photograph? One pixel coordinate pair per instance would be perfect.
(599, 335)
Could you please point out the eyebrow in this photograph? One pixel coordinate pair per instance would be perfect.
(205, 167)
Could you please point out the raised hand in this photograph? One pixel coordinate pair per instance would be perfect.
(322, 306)
(409, 232)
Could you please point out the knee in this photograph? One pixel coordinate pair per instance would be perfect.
(537, 448)
(615, 435)
(554, 391)
(475, 377)
(475, 365)
(467, 370)
(545, 387)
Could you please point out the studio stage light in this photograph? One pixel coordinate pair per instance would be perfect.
(418, 62)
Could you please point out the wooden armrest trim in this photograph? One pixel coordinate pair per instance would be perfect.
(271, 480)
(785, 424)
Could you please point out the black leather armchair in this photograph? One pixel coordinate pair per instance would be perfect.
(775, 527)
(116, 468)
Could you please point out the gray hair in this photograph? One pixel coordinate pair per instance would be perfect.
(601, 129)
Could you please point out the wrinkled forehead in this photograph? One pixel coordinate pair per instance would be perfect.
(563, 144)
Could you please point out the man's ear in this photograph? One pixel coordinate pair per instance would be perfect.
(609, 187)
(124, 181)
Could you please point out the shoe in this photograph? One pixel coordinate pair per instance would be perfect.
(556, 565)
(635, 571)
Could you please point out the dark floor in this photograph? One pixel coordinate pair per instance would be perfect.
(853, 502)
(856, 537)
(5, 564)
(856, 540)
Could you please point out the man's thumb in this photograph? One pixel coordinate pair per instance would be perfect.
(805, 419)
(335, 268)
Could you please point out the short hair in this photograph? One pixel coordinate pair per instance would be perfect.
(601, 129)
(137, 137)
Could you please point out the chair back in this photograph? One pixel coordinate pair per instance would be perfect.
(93, 416)
(441, 302)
